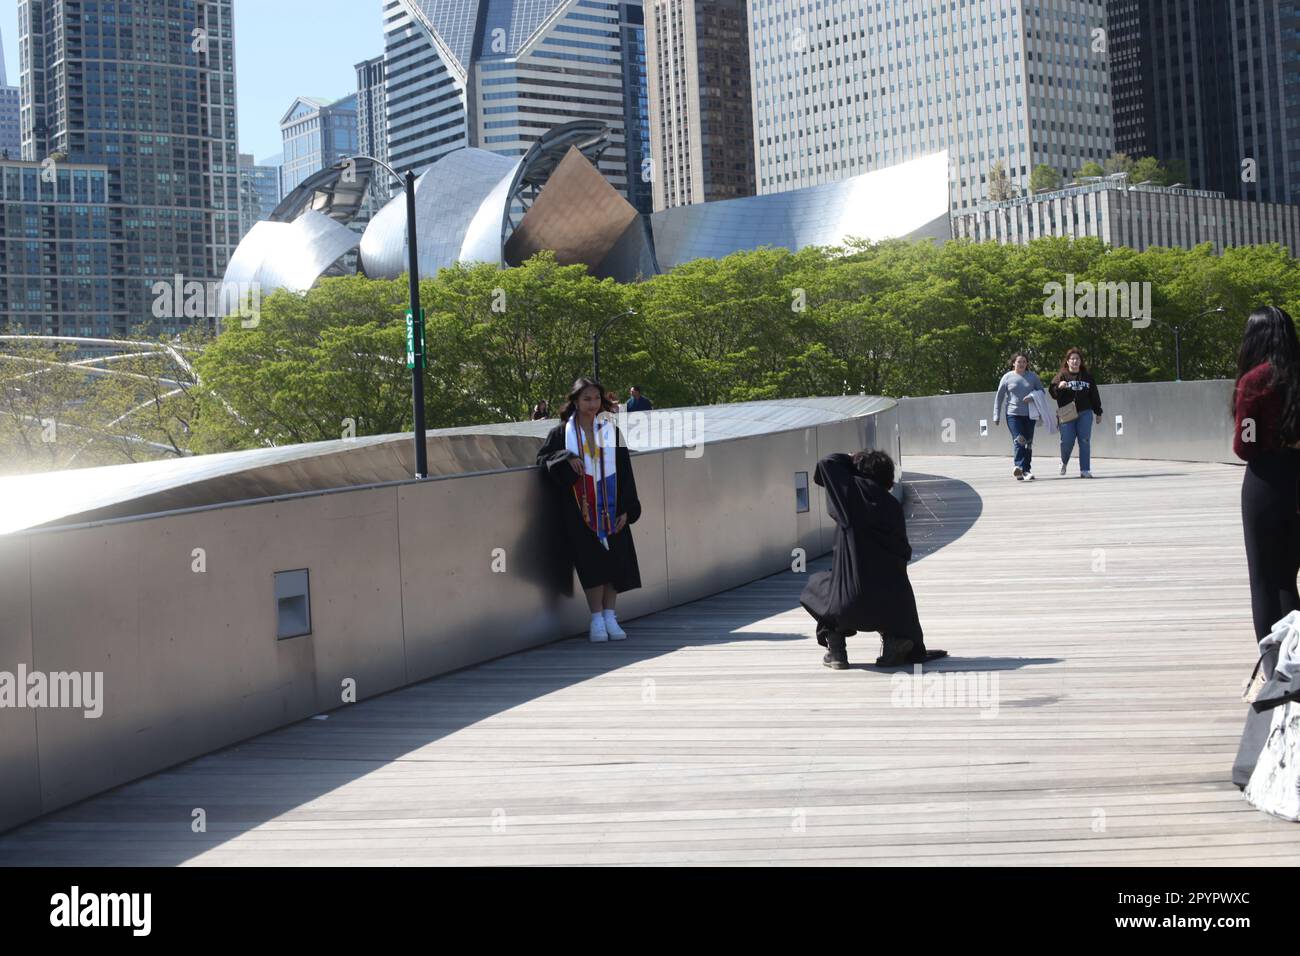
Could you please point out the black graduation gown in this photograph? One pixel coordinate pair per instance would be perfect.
(596, 566)
(867, 587)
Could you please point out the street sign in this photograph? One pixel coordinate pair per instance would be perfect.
(411, 340)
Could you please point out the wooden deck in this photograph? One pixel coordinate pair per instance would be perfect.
(1113, 616)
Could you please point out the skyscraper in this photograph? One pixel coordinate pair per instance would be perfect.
(701, 119)
(842, 87)
(1215, 83)
(372, 120)
(316, 134)
(11, 140)
(60, 263)
(497, 74)
(146, 89)
(259, 192)
(372, 123)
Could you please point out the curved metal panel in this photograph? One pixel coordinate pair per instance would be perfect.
(448, 200)
(337, 192)
(910, 199)
(383, 244)
(310, 244)
(578, 215)
(252, 251)
(482, 242)
(62, 497)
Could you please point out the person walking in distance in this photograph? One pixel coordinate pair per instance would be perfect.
(637, 402)
(1078, 402)
(1014, 391)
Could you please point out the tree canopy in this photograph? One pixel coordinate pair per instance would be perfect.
(890, 318)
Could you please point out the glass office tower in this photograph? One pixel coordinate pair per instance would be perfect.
(700, 101)
(842, 87)
(1215, 83)
(145, 88)
(500, 74)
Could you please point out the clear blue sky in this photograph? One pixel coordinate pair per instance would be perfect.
(283, 49)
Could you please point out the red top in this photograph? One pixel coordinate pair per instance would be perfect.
(1255, 400)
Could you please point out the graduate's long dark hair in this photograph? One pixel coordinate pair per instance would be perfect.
(581, 385)
(1270, 337)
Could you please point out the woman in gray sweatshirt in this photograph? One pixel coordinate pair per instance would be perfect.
(1014, 391)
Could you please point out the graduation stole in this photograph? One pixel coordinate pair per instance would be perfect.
(596, 491)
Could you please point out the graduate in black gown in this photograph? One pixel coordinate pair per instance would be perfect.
(593, 490)
(867, 588)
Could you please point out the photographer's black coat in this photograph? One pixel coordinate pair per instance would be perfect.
(867, 587)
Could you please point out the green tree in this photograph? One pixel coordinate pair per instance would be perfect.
(42, 404)
(999, 186)
(1147, 169)
(520, 335)
(724, 330)
(1090, 170)
(311, 363)
(1118, 163)
(1044, 177)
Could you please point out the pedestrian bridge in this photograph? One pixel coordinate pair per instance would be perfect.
(1100, 636)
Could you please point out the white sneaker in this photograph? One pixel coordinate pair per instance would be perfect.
(1085, 474)
(1062, 467)
(1029, 476)
(598, 632)
(615, 632)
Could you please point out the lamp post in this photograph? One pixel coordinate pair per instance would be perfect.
(595, 342)
(415, 322)
(1178, 343)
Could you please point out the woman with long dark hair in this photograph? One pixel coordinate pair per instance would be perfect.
(590, 473)
(1077, 402)
(1266, 406)
(1266, 409)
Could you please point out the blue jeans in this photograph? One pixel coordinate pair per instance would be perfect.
(1022, 440)
(1080, 428)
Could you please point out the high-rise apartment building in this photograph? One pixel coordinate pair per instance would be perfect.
(372, 120)
(11, 140)
(701, 118)
(259, 192)
(498, 74)
(372, 124)
(145, 89)
(1215, 83)
(842, 87)
(60, 260)
(316, 134)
